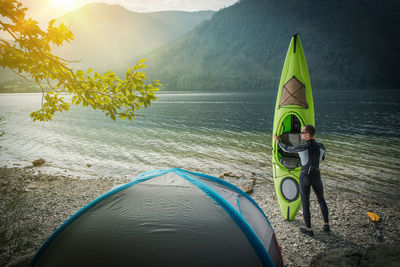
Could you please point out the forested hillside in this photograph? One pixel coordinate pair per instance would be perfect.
(348, 45)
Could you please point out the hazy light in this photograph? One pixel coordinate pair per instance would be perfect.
(45, 10)
(64, 4)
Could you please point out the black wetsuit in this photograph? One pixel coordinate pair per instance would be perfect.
(311, 154)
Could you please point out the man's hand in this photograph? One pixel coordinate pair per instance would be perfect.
(276, 138)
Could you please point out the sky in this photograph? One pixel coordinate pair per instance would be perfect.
(44, 10)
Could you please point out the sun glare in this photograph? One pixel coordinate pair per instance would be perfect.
(64, 4)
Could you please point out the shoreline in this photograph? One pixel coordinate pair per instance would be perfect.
(42, 202)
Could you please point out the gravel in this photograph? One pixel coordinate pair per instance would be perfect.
(33, 205)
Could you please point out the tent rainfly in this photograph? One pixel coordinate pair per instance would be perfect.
(166, 217)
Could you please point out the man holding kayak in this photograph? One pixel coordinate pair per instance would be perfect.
(311, 154)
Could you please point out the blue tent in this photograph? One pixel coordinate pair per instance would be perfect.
(165, 218)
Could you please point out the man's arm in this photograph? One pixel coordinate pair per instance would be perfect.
(323, 151)
(292, 149)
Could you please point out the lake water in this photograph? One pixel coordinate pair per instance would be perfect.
(211, 133)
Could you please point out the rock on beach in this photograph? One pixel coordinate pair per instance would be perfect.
(38, 162)
(378, 255)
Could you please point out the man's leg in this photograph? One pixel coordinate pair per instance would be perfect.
(305, 198)
(319, 191)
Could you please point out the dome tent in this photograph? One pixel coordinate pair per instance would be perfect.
(165, 218)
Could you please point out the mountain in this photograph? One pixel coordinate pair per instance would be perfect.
(109, 35)
(349, 44)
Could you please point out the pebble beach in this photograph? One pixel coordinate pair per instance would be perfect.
(33, 204)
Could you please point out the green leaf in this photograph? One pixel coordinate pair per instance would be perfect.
(74, 98)
(141, 61)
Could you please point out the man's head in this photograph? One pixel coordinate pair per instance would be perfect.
(307, 132)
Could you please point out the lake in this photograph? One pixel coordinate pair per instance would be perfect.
(210, 133)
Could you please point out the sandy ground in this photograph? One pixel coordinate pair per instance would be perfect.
(33, 205)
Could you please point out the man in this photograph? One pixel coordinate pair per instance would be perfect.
(311, 154)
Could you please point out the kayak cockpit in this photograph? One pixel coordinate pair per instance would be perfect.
(290, 136)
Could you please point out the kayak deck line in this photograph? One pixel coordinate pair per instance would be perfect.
(293, 93)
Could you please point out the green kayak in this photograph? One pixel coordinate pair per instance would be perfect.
(294, 108)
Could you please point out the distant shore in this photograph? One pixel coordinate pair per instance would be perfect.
(33, 205)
